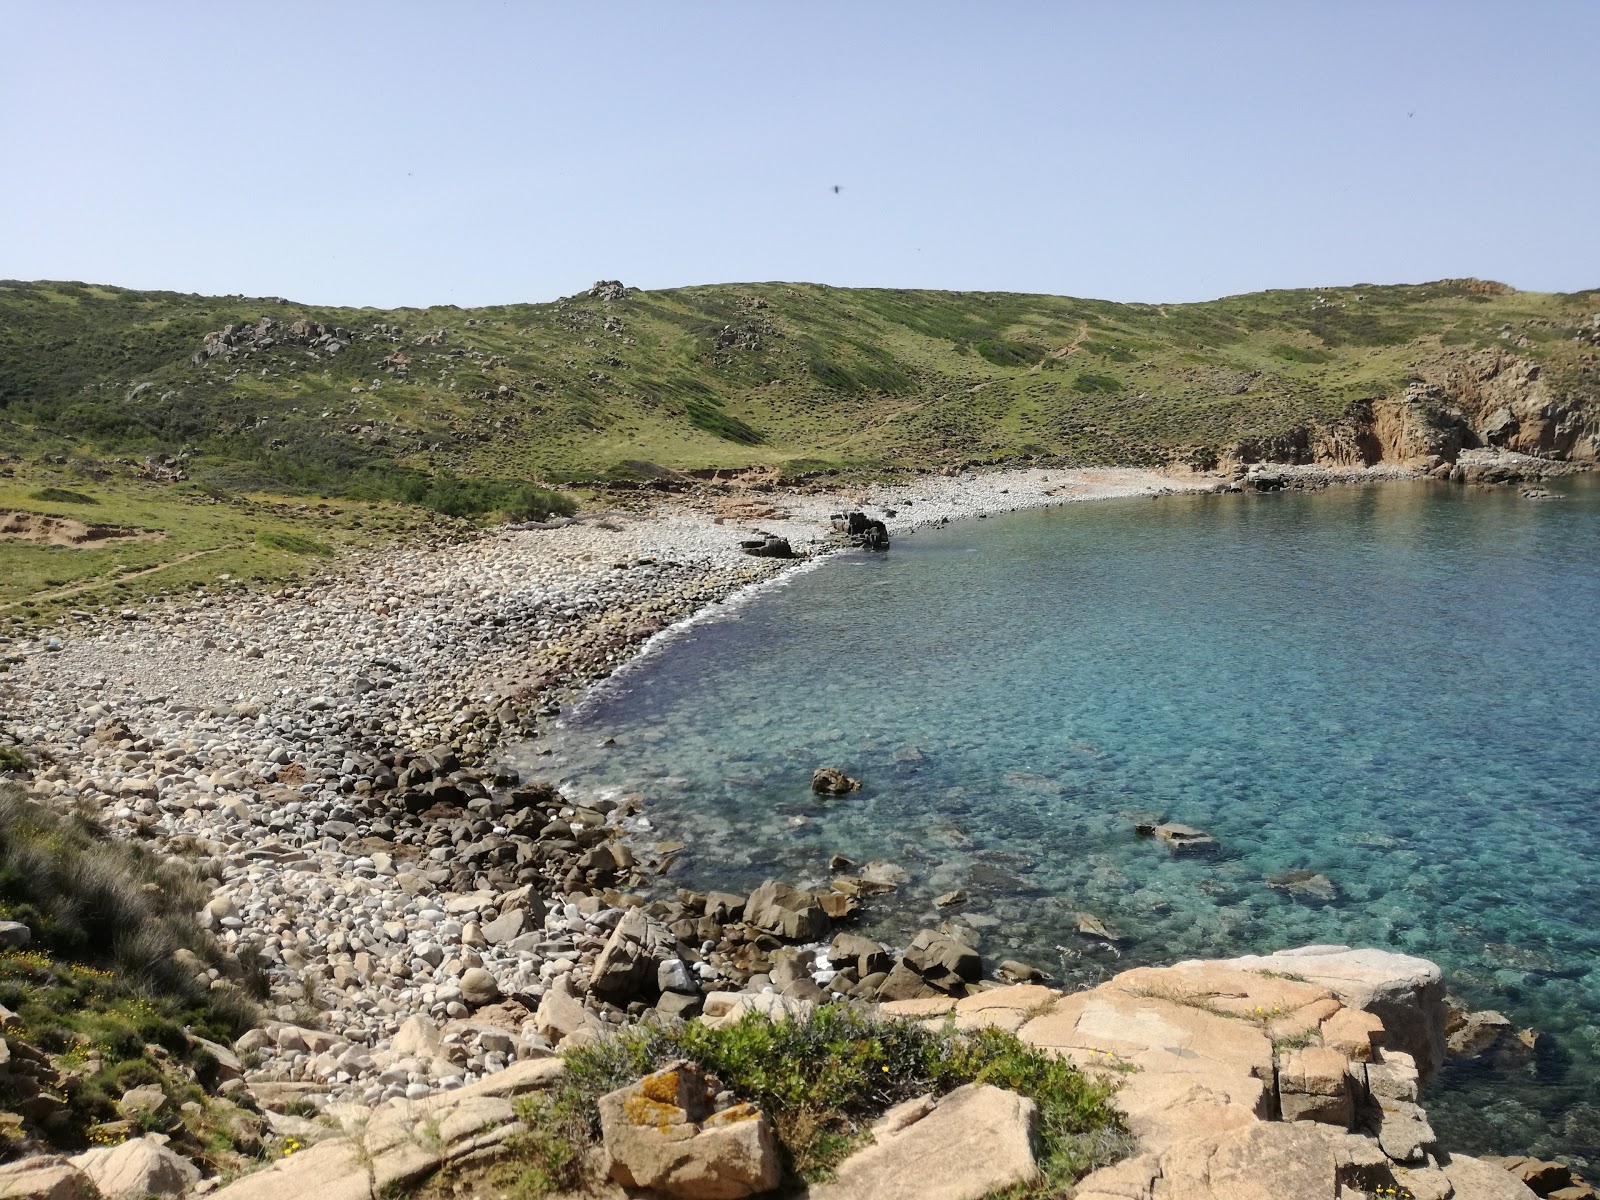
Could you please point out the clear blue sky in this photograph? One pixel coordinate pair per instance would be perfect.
(470, 153)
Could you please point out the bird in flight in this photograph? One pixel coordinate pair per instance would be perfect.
(837, 189)
(1411, 114)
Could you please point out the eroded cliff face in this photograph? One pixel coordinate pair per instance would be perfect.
(1488, 399)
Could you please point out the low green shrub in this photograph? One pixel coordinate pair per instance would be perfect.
(822, 1081)
(100, 982)
(1089, 382)
(55, 495)
(1004, 353)
(295, 543)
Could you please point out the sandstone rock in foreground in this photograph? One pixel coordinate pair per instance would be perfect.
(973, 1142)
(137, 1169)
(44, 1177)
(665, 1133)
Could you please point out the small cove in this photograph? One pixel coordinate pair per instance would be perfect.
(1390, 685)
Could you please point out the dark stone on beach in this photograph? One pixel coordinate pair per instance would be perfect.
(862, 530)
(902, 983)
(768, 547)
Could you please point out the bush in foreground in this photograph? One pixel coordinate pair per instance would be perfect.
(821, 1082)
(106, 988)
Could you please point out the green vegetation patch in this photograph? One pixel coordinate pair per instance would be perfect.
(1300, 354)
(294, 543)
(112, 966)
(1004, 353)
(55, 495)
(1089, 383)
(821, 1081)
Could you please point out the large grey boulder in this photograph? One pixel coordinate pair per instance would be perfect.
(943, 962)
(663, 1133)
(137, 1169)
(48, 1177)
(561, 1013)
(976, 1141)
(787, 911)
(627, 966)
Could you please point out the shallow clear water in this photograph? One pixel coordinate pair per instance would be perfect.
(1392, 685)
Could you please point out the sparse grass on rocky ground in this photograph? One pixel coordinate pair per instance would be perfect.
(106, 994)
(821, 1081)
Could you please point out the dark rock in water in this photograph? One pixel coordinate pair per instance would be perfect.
(1012, 971)
(768, 547)
(1487, 1037)
(1182, 839)
(1304, 884)
(1091, 926)
(830, 781)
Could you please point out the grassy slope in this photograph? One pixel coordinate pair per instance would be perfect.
(584, 390)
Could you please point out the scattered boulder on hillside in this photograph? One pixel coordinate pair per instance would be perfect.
(667, 1133)
(45, 1177)
(830, 781)
(609, 290)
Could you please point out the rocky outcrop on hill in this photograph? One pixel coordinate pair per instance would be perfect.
(1490, 400)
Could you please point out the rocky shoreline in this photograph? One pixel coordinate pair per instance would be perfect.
(423, 919)
(326, 751)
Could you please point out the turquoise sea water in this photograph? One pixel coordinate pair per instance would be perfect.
(1392, 685)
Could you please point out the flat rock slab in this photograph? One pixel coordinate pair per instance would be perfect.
(137, 1169)
(1192, 1066)
(1261, 1161)
(1406, 993)
(1474, 1179)
(397, 1142)
(977, 1140)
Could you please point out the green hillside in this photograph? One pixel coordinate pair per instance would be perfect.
(725, 376)
(248, 421)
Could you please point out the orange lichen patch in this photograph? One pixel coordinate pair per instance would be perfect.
(63, 531)
(643, 1110)
(732, 1116)
(661, 1087)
